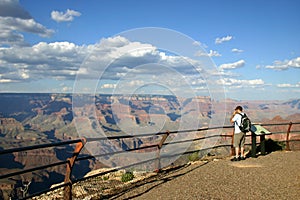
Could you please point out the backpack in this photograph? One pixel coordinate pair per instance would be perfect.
(245, 123)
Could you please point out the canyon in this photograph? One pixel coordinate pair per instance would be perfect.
(31, 119)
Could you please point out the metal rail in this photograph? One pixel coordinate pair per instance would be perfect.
(68, 182)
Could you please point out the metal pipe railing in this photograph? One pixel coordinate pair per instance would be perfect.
(39, 146)
(164, 135)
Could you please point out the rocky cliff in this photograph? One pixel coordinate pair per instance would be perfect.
(31, 119)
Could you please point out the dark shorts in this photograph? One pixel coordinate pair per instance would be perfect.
(239, 140)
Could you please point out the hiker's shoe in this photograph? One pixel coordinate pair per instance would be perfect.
(242, 158)
(235, 159)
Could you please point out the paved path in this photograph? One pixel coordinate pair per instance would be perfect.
(274, 176)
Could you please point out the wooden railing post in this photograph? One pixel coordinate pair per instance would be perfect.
(70, 165)
(288, 137)
(159, 146)
(232, 148)
(253, 144)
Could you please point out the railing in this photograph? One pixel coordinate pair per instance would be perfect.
(68, 182)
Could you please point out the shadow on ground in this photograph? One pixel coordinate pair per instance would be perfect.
(270, 146)
(161, 178)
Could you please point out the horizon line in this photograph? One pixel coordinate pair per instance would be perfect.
(169, 95)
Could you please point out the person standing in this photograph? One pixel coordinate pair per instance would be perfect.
(239, 136)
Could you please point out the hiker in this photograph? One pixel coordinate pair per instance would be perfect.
(239, 136)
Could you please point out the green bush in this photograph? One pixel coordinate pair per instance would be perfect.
(194, 156)
(128, 176)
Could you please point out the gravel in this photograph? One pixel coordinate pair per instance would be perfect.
(273, 176)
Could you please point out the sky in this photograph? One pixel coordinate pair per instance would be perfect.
(244, 50)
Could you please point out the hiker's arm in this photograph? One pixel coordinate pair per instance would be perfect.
(232, 119)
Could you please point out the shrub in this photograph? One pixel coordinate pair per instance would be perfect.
(194, 156)
(128, 176)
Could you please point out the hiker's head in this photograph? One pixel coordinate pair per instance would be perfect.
(239, 108)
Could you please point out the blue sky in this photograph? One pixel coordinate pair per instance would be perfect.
(254, 45)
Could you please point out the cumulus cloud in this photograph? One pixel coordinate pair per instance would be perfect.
(212, 53)
(59, 60)
(14, 20)
(118, 52)
(109, 62)
(24, 25)
(10, 38)
(223, 39)
(112, 58)
(284, 65)
(66, 16)
(234, 65)
(234, 50)
(236, 83)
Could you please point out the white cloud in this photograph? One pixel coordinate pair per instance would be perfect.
(234, 65)
(197, 43)
(284, 85)
(43, 60)
(24, 73)
(11, 28)
(11, 38)
(64, 16)
(198, 81)
(67, 89)
(288, 85)
(14, 20)
(284, 65)
(116, 57)
(224, 73)
(112, 60)
(212, 53)
(236, 83)
(6, 80)
(109, 86)
(136, 82)
(223, 39)
(234, 50)
(294, 62)
(201, 53)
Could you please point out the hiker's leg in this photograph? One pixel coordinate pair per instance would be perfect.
(243, 145)
(237, 152)
(243, 152)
